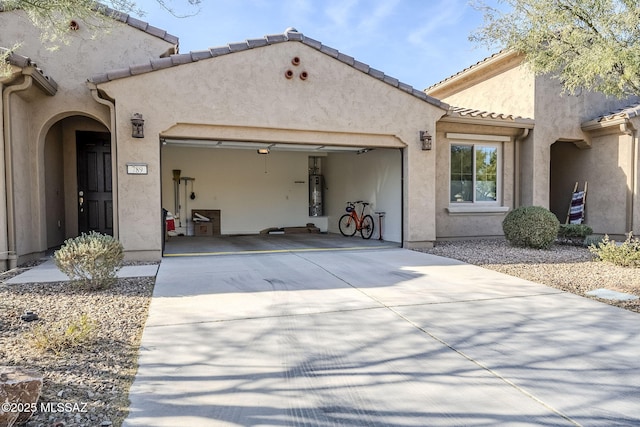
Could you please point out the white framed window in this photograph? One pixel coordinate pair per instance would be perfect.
(475, 172)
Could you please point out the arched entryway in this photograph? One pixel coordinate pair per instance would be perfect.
(77, 177)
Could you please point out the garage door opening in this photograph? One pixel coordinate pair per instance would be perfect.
(249, 188)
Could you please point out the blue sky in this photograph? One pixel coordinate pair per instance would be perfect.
(419, 42)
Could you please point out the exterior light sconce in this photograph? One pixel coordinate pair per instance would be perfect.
(263, 150)
(425, 139)
(137, 126)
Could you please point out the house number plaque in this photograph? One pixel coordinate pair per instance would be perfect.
(137, 169)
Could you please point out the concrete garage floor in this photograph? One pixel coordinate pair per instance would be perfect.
(263, 243)
(377, 337)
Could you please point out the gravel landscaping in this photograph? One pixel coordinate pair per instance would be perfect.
(89, 384)
(95, 377)
(569, 268)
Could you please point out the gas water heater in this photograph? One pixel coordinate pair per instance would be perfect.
(316, 196)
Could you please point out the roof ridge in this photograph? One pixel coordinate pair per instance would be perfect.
(137, 23)
(289, 35)
(469, 68)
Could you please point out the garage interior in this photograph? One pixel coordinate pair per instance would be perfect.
(271, 188)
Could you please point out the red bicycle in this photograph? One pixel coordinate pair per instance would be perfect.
(351, 222)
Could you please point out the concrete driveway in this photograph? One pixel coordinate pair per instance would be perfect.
(377, 337)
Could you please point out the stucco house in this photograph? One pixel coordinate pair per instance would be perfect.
(585, 137)
(247, 124)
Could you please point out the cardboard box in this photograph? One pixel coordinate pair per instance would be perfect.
(213, 215)
(203, 229)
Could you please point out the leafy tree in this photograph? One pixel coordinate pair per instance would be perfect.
(590, 44)
(53, 17)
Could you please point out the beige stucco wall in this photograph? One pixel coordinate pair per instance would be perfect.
(635, 177)
(21, 133)
(54, 190)
(608, 168)
(485, 221)
(511, 91)
(502, 86)
(70, 66)
(249, 88)
(558, 118)
(88, 51)
(604, 167)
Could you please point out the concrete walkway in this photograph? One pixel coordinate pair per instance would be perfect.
(377, 337)
(48, 272)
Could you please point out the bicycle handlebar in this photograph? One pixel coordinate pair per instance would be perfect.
(359, 201)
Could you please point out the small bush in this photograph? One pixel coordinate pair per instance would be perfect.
(92, 260)
(64, 335)
(531, 226)
(592, 240)
(574, 230)
(573, 234)
(626, 254)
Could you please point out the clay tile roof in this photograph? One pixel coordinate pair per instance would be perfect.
(289, 36)
(628, 112)
(24, 62)
(461, 111)
(612, 118)
(137, 23)
(15, 59)
(480, 114)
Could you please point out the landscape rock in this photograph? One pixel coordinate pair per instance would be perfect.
(20, 388)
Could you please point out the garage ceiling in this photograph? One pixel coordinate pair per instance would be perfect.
(248, 145)
(283, 139)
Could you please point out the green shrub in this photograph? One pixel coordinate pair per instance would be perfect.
(92, 260)
(574, 230)
(625, 254)
(592, 240)
(573, 234)
(531, 226)
(64, 335)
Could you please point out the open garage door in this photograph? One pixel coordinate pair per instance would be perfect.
(254, 186)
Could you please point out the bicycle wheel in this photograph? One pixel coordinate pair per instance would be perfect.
(347, 225)
(367, 227)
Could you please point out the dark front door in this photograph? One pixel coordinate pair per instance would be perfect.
(95, 203)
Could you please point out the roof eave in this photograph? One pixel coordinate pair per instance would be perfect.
(598, 124)
(23, 65)
(47, 84)
(486, 118)
(519, 123)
